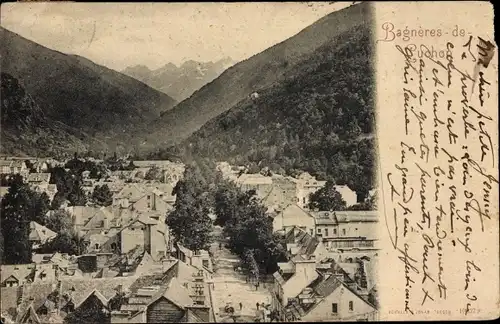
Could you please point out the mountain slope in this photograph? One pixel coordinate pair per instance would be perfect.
(318, 118)
(179, 82)
(80, 94)
(24, 127)
(261, 71)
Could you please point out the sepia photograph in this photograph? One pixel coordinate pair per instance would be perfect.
(188, 162)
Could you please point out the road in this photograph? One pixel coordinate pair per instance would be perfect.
(231, 287)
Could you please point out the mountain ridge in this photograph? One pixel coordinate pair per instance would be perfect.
(259, 71)
(181, 81)
(87, 97)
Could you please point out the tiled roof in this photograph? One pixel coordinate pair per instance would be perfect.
(176, 293)
(357, 216)
(80, 288)
(9, 297)
(39, 177)
(36, 295)
(305, 242)
(19, 271)
(40, 233)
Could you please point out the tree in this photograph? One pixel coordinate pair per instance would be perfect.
(58, 220)
(16, 215)
(77, 196)
(248, 227)
(327, 199)
(189, 221)
(102, 196)
(67, 241)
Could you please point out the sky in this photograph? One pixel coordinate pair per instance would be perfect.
(118, 35)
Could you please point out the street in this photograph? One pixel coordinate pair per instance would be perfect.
(231, 288)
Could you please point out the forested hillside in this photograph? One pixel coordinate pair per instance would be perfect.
(320, 119)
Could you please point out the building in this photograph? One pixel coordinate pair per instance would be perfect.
(179, 293)
(307, 184)
(261, 184)
(40, 235)
(329, 299)
(302, 244)
(13, 166)
(17, 274)
(199, 259)
(294, 216)
(347, 229)
(348, 195)
(289, 281)
(323, 291)
(144, 231)
(38, 178)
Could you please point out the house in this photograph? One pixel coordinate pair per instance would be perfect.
(45, 273)
(144, 231)
(40, 235)
(144, 300)
(347, 229)
(261, 184)
(155, 200)
(80, 215)
(339, 291)
(169, 303)
(38, 178)
(13, 166)
(41, 165)
(306, 185)
(348, 195)
(47, 188)
(199, 259)
(292, 216)
(289, 281)
(301, 243)
(17, 274)
(128, 195)
(329, 299)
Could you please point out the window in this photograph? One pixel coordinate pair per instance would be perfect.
(334, 308)
(205, 263)
(351, 306)
(319, 230)
(335, 231)
(326, 231)
(312, 232)
(303, 200)
(343, 231)
(97, 246)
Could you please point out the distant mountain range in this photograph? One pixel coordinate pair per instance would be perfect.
(93, 103)
(180, 82)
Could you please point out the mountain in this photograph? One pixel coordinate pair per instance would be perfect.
(312, 106)
(179, 82)
(97, 104)
(272, 67)
(25, 128)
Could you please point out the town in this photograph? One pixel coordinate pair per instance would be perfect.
(117, 240)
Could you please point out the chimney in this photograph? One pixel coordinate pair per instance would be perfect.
(306, 269)
(147, 238)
